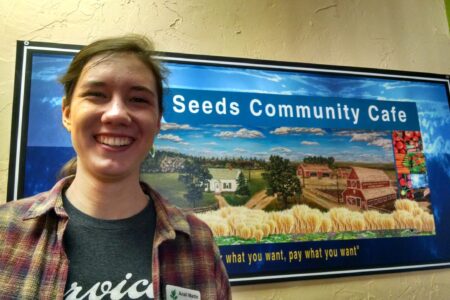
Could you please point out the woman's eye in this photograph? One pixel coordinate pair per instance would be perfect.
(139, 100)
(94, 94)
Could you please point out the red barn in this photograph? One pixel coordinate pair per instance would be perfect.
(313, 170)
(368, 187)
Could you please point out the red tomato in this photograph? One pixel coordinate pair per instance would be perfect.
(402, 182)
(409, 134)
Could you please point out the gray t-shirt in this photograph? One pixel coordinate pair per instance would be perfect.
(109, 259)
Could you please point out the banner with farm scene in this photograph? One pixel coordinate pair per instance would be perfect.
(299, 172)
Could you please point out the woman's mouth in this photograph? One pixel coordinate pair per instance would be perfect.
(114, 141)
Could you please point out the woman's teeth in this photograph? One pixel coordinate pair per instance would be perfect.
(114, 141)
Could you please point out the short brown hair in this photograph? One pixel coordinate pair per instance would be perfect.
(138, 45)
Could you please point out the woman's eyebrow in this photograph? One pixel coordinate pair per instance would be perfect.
(93, 83)
(96, 83)
(141, 88)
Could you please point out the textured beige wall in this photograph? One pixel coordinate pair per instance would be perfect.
(394, 34)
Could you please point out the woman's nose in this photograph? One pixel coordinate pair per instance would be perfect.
(116, 112)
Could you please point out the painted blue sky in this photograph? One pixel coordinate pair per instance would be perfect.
(45, 125)
(294, 142)
(245, 140)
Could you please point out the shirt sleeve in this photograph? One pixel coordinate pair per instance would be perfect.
(222, 282)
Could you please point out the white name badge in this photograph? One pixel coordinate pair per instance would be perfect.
(179, 293)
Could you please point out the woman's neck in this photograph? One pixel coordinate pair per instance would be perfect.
(107, 199)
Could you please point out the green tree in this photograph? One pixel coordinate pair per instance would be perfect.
(151, 164)
(195, 177)
(330, 161)
(319, 160)
(242, 185)
(281, 179)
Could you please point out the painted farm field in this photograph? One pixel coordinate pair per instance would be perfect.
(244, 206)
(241, 225)
(323, 211)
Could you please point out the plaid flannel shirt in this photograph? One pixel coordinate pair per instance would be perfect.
(33, 264)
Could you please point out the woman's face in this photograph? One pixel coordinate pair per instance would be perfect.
(113, 116)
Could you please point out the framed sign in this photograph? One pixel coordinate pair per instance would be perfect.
(300, 170)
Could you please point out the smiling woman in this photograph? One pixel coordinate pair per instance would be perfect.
(113, 117)
(119, 227)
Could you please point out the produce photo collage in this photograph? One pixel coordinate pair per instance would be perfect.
(410, 165)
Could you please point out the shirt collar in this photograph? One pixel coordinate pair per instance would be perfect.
(169, 217)
(50, 200)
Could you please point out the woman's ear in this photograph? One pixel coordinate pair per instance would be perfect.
(66, 114)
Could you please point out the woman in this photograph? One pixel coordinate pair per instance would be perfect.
(101, 233)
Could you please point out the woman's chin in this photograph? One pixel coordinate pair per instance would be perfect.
(114, 171)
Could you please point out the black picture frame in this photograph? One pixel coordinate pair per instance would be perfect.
(397, 252)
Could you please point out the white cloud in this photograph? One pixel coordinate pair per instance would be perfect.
(365, 137)
(53, 101)
(240, 150)
(49, 73)
(300, 91)
(402, 84)
(283, 150)
(172, 138)
(297, 130)
(308, 143)
(241, 133)
(372, 139)
(381, 142)
(344, 133)
(309, 154)
(175, 126)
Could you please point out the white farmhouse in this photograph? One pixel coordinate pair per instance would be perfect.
(223, 180)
